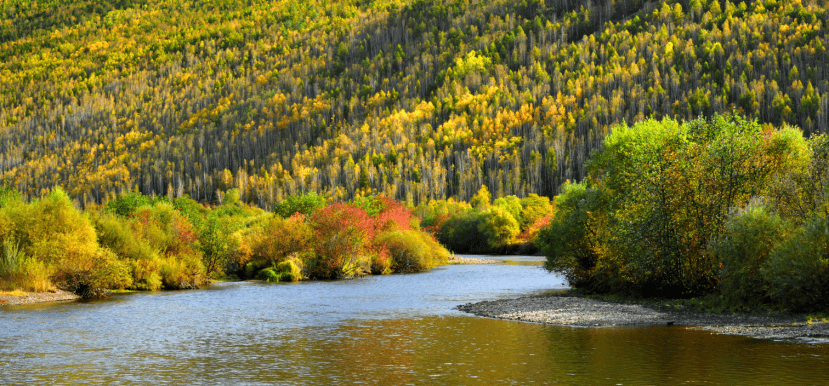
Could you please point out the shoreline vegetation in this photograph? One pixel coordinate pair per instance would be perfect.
(18, 297)
(137, 242)
(721, 210)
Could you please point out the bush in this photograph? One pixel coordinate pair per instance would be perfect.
(461, 233)
(269, 275)
(90, 277)
(52, 230)
(408, 251)
(342, 235)
(797, 271)
(145, 275)
(512, 205)
(290, 270)
(499, 227)
(305, 204)
(128, 202)
(412, 251)
(18, 271)
(114, 233)
(182, 272)
(751, 235)
(534, 208)
(570, 242)
(280, 238)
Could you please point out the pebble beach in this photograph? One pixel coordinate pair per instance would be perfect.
(574, 310)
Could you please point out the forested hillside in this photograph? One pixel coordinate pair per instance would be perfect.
(413, 99)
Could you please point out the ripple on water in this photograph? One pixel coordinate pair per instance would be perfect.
(397, 329)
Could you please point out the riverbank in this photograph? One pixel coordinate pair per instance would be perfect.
(17, 298)
(569, 309)
(459, 259)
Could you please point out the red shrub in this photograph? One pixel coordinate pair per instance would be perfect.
(342, 235)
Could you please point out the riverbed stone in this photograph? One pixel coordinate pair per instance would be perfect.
(579, 311)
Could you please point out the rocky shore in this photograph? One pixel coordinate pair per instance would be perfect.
(7, 299)
(574, 310)
(458, 259)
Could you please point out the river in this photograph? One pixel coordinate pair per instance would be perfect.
(378, 330)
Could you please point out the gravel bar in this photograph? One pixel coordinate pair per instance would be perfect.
(474, 260)
(38, 297)
(574, 310)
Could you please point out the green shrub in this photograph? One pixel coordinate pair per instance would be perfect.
(115, 233)
(461, 233)
(569, 242)
(499, 227)
(751, 235)
(128, 202)
(52, 230)
(269, 274)
(512, 205)
(797, 271)
(305, 204)
(290, 270)
(533, 209)
(18, 271)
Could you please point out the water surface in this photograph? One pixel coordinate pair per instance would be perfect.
(397, 329)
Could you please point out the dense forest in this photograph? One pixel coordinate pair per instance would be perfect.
(415, 100)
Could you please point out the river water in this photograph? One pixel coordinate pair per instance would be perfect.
(379, 330)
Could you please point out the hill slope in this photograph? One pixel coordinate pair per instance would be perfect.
(414, 99)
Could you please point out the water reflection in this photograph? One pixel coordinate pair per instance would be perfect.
(397, 329)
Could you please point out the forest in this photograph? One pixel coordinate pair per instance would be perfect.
(413, 100)
(177, 141)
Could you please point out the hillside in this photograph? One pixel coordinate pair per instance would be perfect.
(413, 99)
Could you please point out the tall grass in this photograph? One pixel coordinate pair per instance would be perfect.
(18, 271)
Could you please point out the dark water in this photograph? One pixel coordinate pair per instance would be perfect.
(385, 330)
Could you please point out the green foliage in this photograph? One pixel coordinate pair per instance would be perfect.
(371, 204)
(499, 227)
(511, 205)
(181, 272)
(654, 214)
(51, 229)
(116, 234)
(8, 195)
(534, 208)
(305, 204)
(461, 234)
(269, 275)
(18, 271)
(128, 202)
(797, 271)
(570, 241)
(751, 235)
(290, 270)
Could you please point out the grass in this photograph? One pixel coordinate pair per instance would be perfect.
(16, 293)
(21, 272)
(817, 318)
